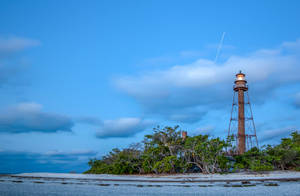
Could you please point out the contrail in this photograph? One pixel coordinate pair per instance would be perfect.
(219, 47)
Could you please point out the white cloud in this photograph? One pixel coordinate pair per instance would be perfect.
(74, 152)
(204, 84)
(14, 44)
(122, 127)
(206, 130)
(29, 117)
(28, 107)
(275, 134)
(292, 45)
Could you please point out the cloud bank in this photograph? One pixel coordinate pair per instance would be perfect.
(29, 117)
(195, 88)
(55, 161)
(122, 127)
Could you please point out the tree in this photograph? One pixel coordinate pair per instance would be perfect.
(253, 160)
(162, 149)
(286, 155)
(126, 161)
(207, 154)
(165, 151)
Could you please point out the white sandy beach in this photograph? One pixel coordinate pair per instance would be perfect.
(272, 183)
(175, 178)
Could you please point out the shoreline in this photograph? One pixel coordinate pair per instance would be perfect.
(282, 176)
(271, 183)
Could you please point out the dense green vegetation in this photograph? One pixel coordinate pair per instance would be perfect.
(166, 152)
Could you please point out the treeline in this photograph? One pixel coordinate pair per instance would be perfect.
(165, 151)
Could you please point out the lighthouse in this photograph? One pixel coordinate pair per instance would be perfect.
(243, 130)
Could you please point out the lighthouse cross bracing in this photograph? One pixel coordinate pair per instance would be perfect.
(241, 126)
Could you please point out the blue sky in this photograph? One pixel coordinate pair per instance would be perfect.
(78, 78)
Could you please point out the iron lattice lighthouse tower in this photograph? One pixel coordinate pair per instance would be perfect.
(241, 125)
